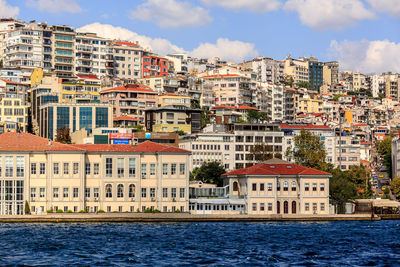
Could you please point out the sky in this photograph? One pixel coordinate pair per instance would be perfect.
(363, 35)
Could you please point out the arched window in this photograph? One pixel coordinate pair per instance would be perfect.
(131, 190)
(293, 186)
(285, 186)
(120, 190)
(278, 186)
(108, 190)
(278, 207)
(235, 186)
(285, 207)
(294, 207)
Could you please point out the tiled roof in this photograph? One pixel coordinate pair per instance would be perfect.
(276, 168)
(125, 118)
(30, 142)
(137, 88)
(147, 146)
(220, 76)
(88, 77)
(126, 43)
(304, 126)
(11, 82)
(247, 107)
(224, 106)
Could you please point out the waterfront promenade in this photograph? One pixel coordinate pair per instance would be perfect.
(179, 217)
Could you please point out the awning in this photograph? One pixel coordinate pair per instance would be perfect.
(385, 203)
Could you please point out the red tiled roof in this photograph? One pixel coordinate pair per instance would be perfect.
(224, 106)
(11, 82)
(137, 88)
(304, 126)
(360, 124)
(146, 146)
(276, 169)
(88, 77)
(125, 118)
(30, 142)
(247, 107)
(126, 43)
(220, 76)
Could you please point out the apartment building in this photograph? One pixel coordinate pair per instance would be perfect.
(331, 72)
(268, 70)
(162, 84)
(298, 69)
(308, 103)
(114, 178)
(347, 152)
(154, 65)
(82, 88)
(128, 60)
(174, 99)
(14, 111)
(326, 134)
(315, 69)
(63, 50)
(279, 187)
(131, 100)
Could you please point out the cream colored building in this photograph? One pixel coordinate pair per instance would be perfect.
(123, 178)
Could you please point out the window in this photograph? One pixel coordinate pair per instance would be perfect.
(165, 169)
(182, 192)
(66, 168)
(87, 192)
(307, 206)
(262, 206)
(42, 168)
(144, 170)
(76, 168)
(96, 192)
(181, 169)
(42, 192)
(75, 192)
(278, 186)
(269, 206)
(262, 186)
(109, 167)
(108, 191)
(55, 192)
(254, 187)
(33, 192)
(235, 186)
(87, 168)
(120, 167)
(152, 192)
(254, 206)
(314, 207)
(33, 168)
(306, 187)
(173, 192)
(269, 186)
(55, 168)
(285, 186)
(293, 186)
(173, 168)
(322, 206)
(96, 168)
(132, 167)
(65, 192)
(152, 169)
(165, 192)
(120, 190)
(9, 166)
(131, 190)
(322, 187)
(314, 187)
(144, 192)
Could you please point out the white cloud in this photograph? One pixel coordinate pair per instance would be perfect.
(55, 6)
(171, 13)
(226, 49)
(7, 11)
(391, 7)
(258, 6)
(158, 45)
(329, 14)
(367, 56)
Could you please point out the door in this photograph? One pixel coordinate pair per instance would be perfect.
(285, 207)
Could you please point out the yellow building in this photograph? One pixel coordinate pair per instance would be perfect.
(82, 88)
(14, 111)
(70, 178)
(307, 104)
(173, 99)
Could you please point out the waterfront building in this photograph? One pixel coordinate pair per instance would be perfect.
(122, 178)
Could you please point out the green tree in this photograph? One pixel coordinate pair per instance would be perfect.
(252, 115)
(262, 152)
(288, 80)
(204, 118)
(27, 209)
(194, 103)
(308, 151)
(209, 172)
(384, 148)
(395, 186)
(63, 136)
(180, 132)
(138, 128)
(341, 189)
(303, 85)
(264, 116)
(336, 97)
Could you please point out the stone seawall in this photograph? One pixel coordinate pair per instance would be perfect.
(176, 217)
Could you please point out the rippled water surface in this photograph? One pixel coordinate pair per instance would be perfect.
(279, 244)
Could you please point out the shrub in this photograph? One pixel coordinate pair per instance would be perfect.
(100, 211)
(177, 211)
(83, 211)
(115, 211)
(137, 210)
(50, 210)
(27, 208)
(59, 211)
(69, 211)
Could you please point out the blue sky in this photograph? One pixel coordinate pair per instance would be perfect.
(362, 34)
